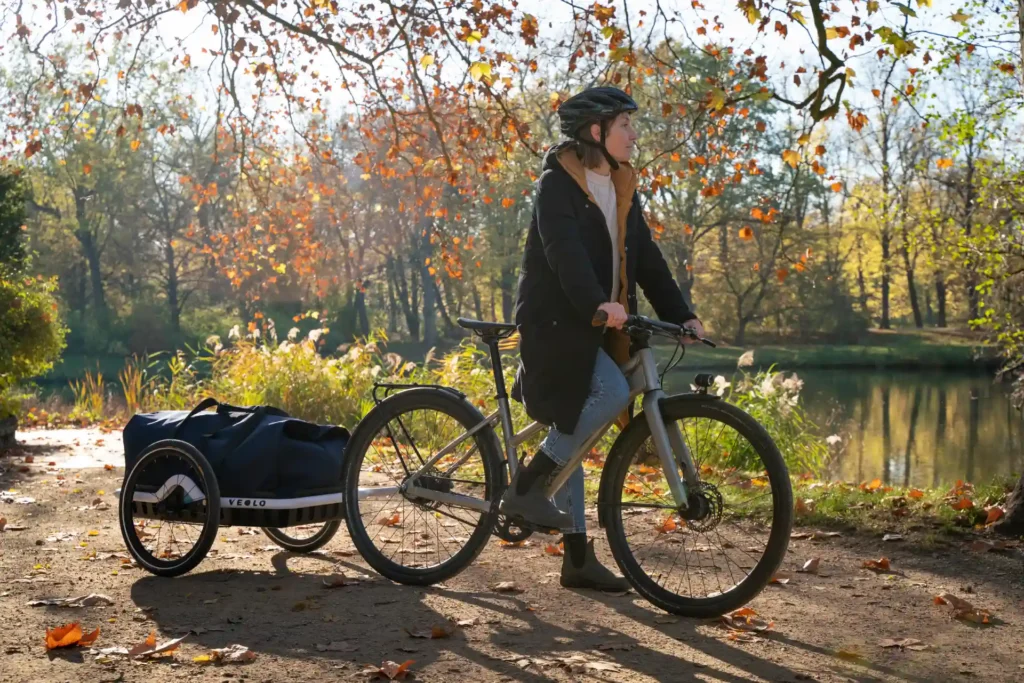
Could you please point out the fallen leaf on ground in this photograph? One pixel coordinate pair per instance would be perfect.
(434, 633)
(810, 566)
(61, 536)
(336, 581)
(515, 544)
(781, 578)
(892, 537)
(552, 549)
(805, 506)
(108, 467)
(903, 643)
(580, 664)
(667, 526)
(81, 601)
(506, 587)
(616, 646)
(69, 635)
(981, 546)
(873, 485)
(916, 494)
(232, 654)
(963, 503)
(3, 523)
(393, 671)
(30, 458)
(246, 531)
(995, 513)
(150, 648)
(335, 646)
(814, 535)
(393, 520)
(746, 619)
(463, 623)
(743, 637)
(879, 565)
(666, 619)
(963, 609)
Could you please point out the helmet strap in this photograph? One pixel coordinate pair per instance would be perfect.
(600, 145)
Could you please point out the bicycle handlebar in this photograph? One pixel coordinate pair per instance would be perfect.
(644, 323)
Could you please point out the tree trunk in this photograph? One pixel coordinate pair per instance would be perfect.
(886, 239)
(429, 292)
(507, 292)
(911, 285)
(741, 331)
(362, 319)
(886, 435)
(1012, 523)
(940, 300)
(477, 304)
(173, 307)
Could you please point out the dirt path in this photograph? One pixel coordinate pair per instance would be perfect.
(826, 627)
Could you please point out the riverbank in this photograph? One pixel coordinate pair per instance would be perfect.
(880, 349)
(834, 621)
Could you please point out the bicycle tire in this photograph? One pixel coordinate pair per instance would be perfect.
(307, 545)
(486, 440)
(616, 468)
(211, 491)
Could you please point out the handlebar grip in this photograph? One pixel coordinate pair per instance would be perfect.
(708, 342)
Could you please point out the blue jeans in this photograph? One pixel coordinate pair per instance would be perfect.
(609, 396)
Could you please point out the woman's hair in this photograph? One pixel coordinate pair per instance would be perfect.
(591, 156)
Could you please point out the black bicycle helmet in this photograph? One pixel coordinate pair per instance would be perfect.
(593, 105)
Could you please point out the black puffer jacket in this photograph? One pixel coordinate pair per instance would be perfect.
(567, 273)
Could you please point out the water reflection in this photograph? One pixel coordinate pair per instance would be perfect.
(914, 428)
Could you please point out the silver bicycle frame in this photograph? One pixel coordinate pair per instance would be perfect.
(642, 374)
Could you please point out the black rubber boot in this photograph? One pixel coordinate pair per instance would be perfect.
(581, 568)
(527, 499)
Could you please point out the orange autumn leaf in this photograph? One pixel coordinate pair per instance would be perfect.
(916, 494)
(837, 187)
(791, 157)
(944, 163)
(552, 549)
(757, 214)
(507, 202)
(90, 638)
(667, 526)
(873, 485)
(760, 126)
(69, 635)
(879, 565)
(746, 233)
(86, 169)
(819, 150)
(781, 274)
(393, 520)
(135, 145)
(964, 503)
(995, 513)
(108, 467)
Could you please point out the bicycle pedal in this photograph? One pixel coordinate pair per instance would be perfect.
(525, 525)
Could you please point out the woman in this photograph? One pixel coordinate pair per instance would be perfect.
(587, 249)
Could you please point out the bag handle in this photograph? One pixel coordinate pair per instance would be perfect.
(207, 402)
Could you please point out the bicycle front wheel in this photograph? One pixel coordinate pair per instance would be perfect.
(721, 552)
(412, 539)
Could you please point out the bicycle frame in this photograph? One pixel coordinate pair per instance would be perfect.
(642, 374)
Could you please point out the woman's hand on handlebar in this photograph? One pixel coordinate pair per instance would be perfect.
(697, 328)
(616, 314)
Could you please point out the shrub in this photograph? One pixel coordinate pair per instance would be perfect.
(31, 332)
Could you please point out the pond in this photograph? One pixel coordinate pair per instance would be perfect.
(912, 428)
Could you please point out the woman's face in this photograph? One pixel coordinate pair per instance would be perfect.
(620, 138)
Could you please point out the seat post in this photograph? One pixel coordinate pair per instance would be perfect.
(504, 410)
(499, 376)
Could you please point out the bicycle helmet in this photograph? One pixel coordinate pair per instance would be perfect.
(593, 105)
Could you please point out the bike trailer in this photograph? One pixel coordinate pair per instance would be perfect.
(270, 469)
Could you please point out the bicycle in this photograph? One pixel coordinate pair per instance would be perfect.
(409, 497)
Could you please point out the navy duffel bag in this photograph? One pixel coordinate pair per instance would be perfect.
(256, 450)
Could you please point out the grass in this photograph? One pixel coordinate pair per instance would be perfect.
(874, 508)
(926, 349)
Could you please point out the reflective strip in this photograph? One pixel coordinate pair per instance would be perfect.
(177, 480)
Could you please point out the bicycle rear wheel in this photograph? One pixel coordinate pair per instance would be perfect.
(408, 539)
(719, 554)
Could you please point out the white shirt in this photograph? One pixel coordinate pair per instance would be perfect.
(604, 194)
